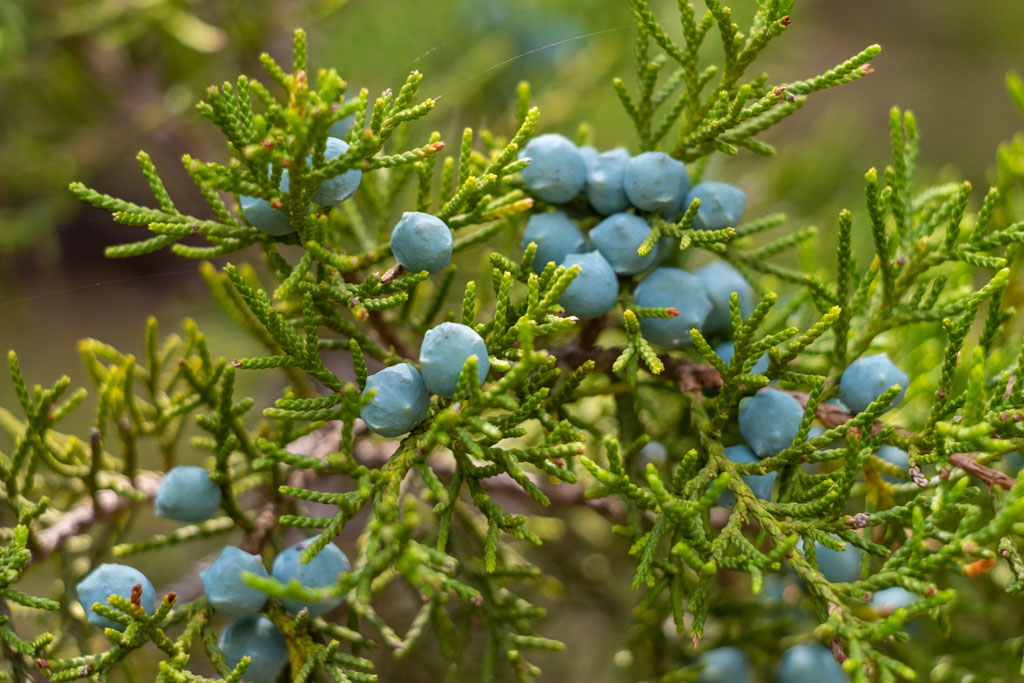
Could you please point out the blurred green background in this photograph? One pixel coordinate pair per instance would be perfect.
(85, 84)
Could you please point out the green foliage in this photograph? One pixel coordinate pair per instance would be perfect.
(444, 514)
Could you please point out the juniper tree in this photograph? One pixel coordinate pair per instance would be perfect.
(566, 414)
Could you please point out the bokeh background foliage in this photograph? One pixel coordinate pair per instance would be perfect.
(84, 84)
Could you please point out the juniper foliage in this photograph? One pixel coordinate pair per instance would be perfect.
(439, 513)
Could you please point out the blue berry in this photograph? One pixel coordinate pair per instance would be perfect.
(340, 128)
(721, 205)
(761, 485)
(556, 172)
(339, 188)
(113, 579)
(890, 599)
(769, 421)
(589, 155)
(836, 566)
(555, 234)
(226, 590)
(720, 280)
(894, 456)
(401, 401)
(723, 665)
(672, 288)
(618, 237)
(186, 494)
(727, 349)
(595, 289)
(656, 182)
(867, 378)
(445, 350)
(421, 242)
(257, 638)
(321, 571)
(653, 452)
(810, 663)
(264, 217)
(605, 178)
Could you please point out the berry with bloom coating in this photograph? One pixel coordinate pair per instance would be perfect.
(113, 579)
(723, 665)
(761, 485)
(421, 242)
(320, 571)
(720, 280)
(264, 217)
(653, 452)
(446, 348)
(672, 288)
(656, 182)
(721, 205)
(895, 456)
(838, 566)
(556, 172)
(226, 590)
(595, 289)
(340, 128)
(809, 663)
(555, 235)
(589, 155)
(401, 401)
(186, 494)
(257, 638)
(889, 600)
(605, 181)
(769, 421)
(727, 349)
(342, 186)
(618, 237)
(869, 377)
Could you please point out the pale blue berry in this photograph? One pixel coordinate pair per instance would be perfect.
(321, 571)
(838, 566)
(264, 217)
(672, 288)
(226, 590)
(894, 456)
(444, 352)
(421, 242)
(589, 155)
(723, 665)
(809, 663)
(888, 600)
(257, 638)
(721, 205)
(720, 280)
(341, 127)
(113, 579)
(337, 189)
(401, 401)
(556, 172)
(618, 237)
(869, 377)
(654, 453)
(186, 494)
(656, 182)
(769, 421)
(555, 234)
(761, 485)
(605, 181)
(595, 289)
(727, 349)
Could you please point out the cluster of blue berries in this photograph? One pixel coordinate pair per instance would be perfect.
(249, 634)
(187, 494)
(803, 663)
(268, 217)
(400, 394)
